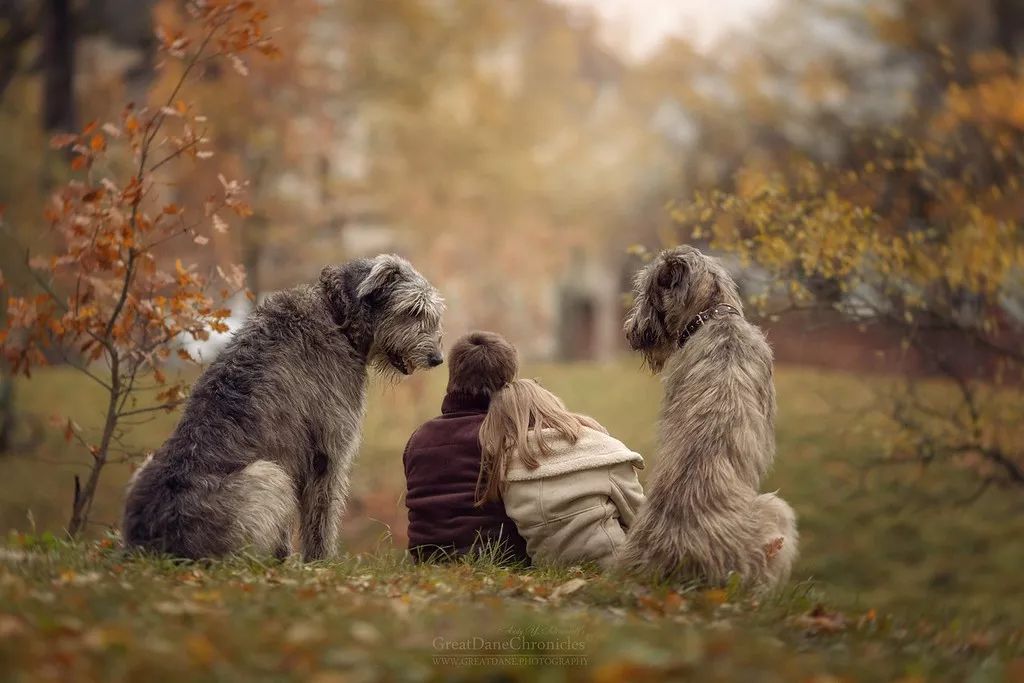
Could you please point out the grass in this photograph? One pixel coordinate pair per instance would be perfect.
(907, 588)
(91, 612)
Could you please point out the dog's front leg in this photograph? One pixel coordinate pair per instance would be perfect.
(319, 508)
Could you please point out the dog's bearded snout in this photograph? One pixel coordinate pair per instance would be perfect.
(435, 359)
(639, 337)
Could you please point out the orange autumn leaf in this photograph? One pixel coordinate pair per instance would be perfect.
(819, 620)
(62, 140)
(715, 596)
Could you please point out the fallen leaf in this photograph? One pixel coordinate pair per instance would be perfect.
(979, 641)
(1015, 671)
(364, 633)
(568, 588)
(101, 638)
(673, 602)
(329, 677)
(11, 625)
(614, 672)
(818, 620)
(207, 596)
(200, 649)
(716, 596)
(304, 632)
(178, 608)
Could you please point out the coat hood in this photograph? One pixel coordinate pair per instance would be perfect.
(592, 450)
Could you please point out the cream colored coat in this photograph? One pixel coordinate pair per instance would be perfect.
(576, 505)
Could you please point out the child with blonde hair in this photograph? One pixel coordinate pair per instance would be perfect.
(571, 489)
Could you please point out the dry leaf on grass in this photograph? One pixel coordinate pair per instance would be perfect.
(818, 620)
(11, 625)
(200, 649)
(568, 588)
(179, 608)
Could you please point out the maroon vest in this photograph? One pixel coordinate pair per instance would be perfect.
(442, 463)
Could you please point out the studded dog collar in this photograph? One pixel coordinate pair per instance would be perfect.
(713, 313)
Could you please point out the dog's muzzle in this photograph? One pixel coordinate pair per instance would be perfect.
(435, 359)
(398, 363)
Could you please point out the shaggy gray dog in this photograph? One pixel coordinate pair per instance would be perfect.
(270, 431)
(704, 518)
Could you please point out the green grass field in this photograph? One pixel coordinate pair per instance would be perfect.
(907, 587)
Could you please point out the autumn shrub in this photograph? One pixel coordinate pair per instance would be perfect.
(921, 233)
(110, 300)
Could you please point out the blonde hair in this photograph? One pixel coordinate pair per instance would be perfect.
(520, 407)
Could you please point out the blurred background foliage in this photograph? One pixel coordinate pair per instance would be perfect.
(857, 162)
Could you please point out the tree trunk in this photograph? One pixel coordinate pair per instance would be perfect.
(254, 242)
(18, 26)
(6, 410)
(82, 502)
(59, 66)
(1009, 20)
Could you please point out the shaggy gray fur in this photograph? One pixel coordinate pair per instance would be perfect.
(704, 518)
(270, 431)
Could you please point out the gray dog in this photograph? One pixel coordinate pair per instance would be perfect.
(704, 517)
(269, 434)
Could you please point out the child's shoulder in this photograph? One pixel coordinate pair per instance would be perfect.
(447, 429)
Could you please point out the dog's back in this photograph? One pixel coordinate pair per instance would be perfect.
(189, 499)
(704, 517)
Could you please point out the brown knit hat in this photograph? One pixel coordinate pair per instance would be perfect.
(481, 363)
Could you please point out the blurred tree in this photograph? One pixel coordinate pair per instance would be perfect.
(260, 120)
(59, 37)
(18, 20)
(909, 219)
(490, 138)
(502, 135)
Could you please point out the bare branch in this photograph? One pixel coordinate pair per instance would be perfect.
(166, 407)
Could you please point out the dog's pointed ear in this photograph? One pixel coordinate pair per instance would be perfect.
(385, 270)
